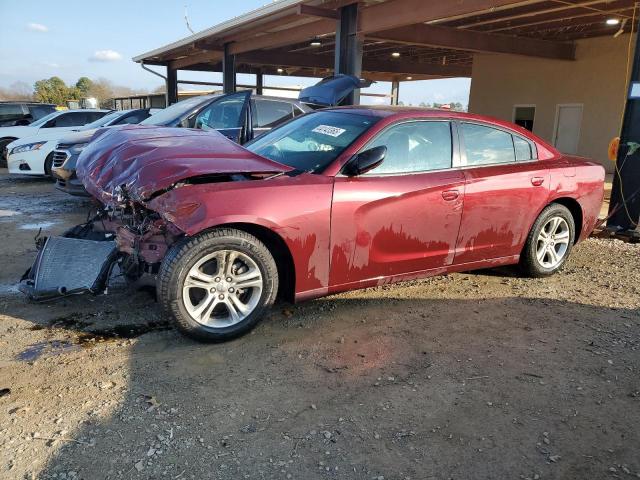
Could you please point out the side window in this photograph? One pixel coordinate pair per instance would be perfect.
(70, 119)
(133, 118)
(93, 116)
(415, 147)
(487, 145)
(523, 149)
(270, 113)
(221, 114)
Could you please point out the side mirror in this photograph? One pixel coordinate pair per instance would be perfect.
(365, 161)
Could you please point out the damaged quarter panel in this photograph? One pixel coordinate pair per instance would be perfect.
(296, 208)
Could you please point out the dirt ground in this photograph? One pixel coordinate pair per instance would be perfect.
(470, 376)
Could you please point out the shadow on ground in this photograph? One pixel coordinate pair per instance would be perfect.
(355, 387)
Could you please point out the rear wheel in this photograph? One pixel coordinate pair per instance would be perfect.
(549, 243)
(218, 285)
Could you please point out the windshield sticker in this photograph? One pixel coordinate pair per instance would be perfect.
(328, 130)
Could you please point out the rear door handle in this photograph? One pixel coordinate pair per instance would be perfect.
(450, 195)
(537, 181)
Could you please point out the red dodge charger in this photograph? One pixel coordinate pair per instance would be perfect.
(334, 200)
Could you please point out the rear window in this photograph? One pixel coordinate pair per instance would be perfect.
(8, 111)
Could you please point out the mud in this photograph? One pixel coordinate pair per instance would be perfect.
(472, 376)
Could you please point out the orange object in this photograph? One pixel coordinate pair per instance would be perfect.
(614, 145)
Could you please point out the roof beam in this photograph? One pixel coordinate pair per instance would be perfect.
(382, 16)
(398, 67)
(312, 11)
(209, 56)
(456, 39)
(399, 13)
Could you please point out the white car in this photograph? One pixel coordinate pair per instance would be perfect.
(33, 155)
(61, 121)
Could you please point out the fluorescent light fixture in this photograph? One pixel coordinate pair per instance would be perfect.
(409, 78)
(316, 43)
(280, 70)
(395, 54)
(613, 21)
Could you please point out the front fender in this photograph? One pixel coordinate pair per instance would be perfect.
(297, 209)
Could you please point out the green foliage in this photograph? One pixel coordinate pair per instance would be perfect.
(84, 86)
(53, 90)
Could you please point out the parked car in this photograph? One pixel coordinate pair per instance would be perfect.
(239, 116)
(60, 120)
(33, 155)
(23, 113)
(334, 200)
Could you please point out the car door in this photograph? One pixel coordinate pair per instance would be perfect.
(506, 187)
(226, 114)
(403, 216)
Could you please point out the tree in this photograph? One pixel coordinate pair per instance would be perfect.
(84, 86)
(52, 90)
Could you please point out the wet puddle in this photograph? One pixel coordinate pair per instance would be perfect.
(8, 288)
(36, 226)
(8, 213)
(85, 338)
(51, 348)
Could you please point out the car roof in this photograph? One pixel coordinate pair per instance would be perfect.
(402, 112)
(18, 102)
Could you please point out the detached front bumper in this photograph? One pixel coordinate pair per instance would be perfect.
(66, 266)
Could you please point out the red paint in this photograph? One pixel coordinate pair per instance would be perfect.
(146, 160)
(345, 233)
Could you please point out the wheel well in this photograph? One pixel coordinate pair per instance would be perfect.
(281, 255)
(576, 212)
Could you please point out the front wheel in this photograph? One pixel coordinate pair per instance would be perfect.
(549, 242)
(217, 285)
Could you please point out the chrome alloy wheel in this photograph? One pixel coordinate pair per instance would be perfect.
(553, 242)
(222, 288)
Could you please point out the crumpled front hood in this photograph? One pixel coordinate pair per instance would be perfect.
(141, 161)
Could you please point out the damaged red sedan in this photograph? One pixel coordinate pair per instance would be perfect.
(334, 200)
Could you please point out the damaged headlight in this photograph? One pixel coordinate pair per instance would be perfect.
(77, 148)
(28, 147)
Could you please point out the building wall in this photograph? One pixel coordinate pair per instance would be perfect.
(596, 79)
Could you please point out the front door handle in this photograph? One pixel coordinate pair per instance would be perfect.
(450, 195)
(537, 181)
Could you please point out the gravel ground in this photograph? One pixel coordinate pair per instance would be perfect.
(469, 376)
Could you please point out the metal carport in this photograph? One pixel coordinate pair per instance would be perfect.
(406, 40)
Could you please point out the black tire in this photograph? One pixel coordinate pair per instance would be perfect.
(3, 143)
(48, 165)
(184, 255)
(529, 263)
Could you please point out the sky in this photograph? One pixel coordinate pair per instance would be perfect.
(71, 38)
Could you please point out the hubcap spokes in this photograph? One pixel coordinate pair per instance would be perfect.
(553, 242)
(222, 288)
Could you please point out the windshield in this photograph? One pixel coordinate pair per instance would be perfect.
(108, 118)
(44, 119)
(311, 142)
(174, 112)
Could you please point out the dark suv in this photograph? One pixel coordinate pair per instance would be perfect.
(23, 113)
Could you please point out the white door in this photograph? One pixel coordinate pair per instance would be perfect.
(568, 123)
